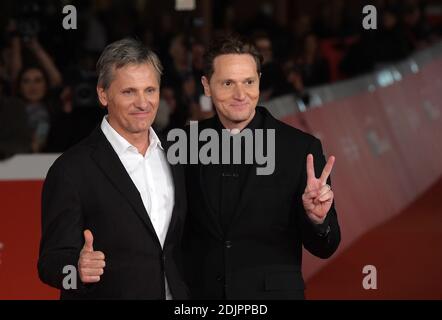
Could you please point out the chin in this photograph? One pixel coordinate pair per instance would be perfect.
(139, 128)
(242, 116)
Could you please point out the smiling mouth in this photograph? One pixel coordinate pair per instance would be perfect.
(239, 105)
(140, 114)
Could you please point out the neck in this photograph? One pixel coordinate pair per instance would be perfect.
(139, 140)
(236, 125)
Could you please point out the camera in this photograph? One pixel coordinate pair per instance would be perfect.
(28, 20)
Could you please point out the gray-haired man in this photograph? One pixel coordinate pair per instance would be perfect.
(112, 206)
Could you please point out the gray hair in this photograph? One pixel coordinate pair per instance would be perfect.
(122, 53)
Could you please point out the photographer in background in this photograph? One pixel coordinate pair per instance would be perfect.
(14, 131)
(38, 83)
(35, 79)
(80, 112)
(33, 91)
(25, 46)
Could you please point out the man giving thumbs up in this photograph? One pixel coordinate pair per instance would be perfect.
(115, 193)
(91, 263)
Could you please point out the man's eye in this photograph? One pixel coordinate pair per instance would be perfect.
(151, 90)
(127, 92)
(227, 83)
(250, 82)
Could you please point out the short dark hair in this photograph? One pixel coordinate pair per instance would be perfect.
(229, 44)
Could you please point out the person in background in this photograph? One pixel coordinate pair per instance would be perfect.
(38, 83)
(33, 88)
(313, 66)
(15, 136)
(272, 82)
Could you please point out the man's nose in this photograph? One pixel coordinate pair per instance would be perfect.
(239, 92)
(141, 101)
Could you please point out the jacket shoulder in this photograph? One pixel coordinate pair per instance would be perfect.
(288, 133)
(76, 156)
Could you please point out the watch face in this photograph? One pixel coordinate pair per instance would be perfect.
(325, 233)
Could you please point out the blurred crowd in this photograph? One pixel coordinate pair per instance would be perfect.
(47, 74)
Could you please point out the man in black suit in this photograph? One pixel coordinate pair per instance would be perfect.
(244, 231)
(112, 206)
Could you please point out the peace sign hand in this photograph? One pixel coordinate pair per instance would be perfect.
(318, 197)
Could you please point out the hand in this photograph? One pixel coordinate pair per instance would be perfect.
(90, 263)
(33, 44)
(318, 197)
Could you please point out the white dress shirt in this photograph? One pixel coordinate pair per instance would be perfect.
(152, 177)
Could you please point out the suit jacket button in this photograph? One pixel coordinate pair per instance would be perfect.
(228, 244)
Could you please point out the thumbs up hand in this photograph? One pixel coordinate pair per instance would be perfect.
(91, 263)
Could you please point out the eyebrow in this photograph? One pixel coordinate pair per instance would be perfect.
(245, 79)
(135, 89)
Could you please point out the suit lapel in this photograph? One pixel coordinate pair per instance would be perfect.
(108, 161)
(211, 213)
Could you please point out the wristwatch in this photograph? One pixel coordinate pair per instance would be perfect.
(324, 233)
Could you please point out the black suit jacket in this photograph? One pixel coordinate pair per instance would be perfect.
(259, 256)
(89, 188)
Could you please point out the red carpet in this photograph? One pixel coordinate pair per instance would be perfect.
(406, 251)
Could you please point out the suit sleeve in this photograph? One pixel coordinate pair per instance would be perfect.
(321, 240)
(62, 227)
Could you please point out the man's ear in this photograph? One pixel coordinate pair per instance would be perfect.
(206, 85)
(102, 96)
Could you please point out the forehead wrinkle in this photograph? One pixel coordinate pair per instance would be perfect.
(132, 80)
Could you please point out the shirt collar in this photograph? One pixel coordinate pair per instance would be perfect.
(154, 140)
(120, 144)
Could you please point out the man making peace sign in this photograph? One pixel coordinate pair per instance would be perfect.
(318, 196)
(244, 232)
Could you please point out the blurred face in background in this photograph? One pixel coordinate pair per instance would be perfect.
(168, 95)
(33, 85)
(412, 17)
(389, 20)
(264, 47)
(302, 25)
(234, 88)
(132, 99)
(178, 50)
(311, 45)
(198, 56)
